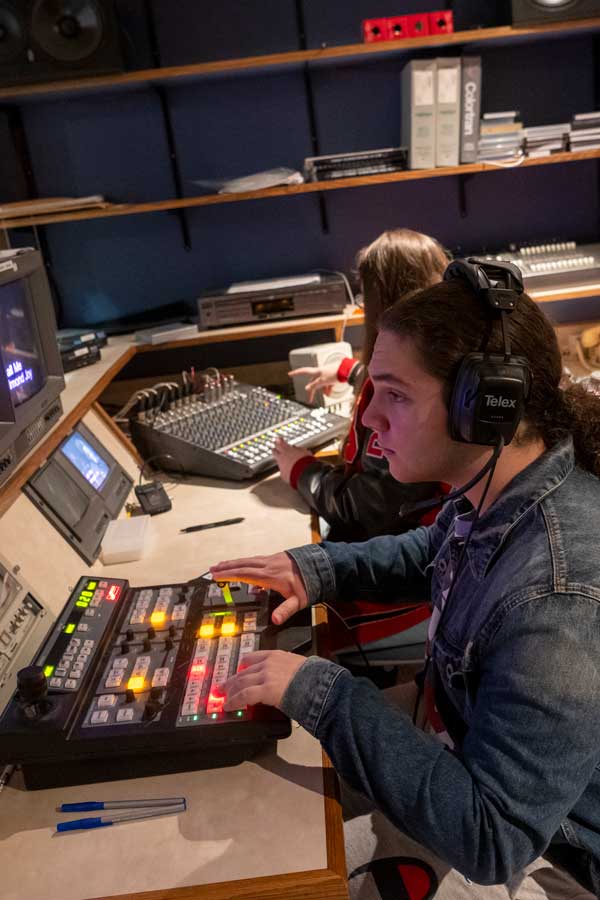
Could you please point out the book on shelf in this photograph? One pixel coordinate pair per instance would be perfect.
(42, 205)
(418, 114)
(470, 108)
(502, 116)
(447, 113)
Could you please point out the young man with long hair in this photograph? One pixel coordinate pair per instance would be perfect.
(498, 796)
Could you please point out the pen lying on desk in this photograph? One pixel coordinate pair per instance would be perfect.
(211, 525)
(89, 805)
(103, 821)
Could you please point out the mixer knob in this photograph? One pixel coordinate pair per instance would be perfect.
(129, 634)
(151, 633)
(168, 644)
(124, 647)
(156, 693)
(146, 645)
(172, 630)
(129, 696)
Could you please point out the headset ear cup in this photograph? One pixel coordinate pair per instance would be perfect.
(464, 392)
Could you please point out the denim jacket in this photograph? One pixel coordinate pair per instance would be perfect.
(518, 655)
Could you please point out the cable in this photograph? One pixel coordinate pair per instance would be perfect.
(350, 632)
(491, 468)
(160, 456)
(424, 505)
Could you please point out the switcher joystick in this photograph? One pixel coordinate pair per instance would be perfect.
(32, 686)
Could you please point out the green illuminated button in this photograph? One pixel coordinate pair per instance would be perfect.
(92, 585)
(70, 628)
(213, 716)
(87, 594)
(84, 603)
(48, 670)
(239, 713)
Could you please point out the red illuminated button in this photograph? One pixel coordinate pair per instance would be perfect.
(113, 592)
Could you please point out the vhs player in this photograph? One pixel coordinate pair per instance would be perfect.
(283, 298)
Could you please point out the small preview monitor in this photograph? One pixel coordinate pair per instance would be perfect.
(19, 348)
(86, 460)
(80, 489)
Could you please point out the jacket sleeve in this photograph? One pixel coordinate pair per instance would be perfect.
(365, 503)
(491, 808)
(379, 569)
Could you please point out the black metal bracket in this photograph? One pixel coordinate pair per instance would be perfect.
(596, 62)
(168, 126)
(20, 143)
(312, 116)
(462, 194)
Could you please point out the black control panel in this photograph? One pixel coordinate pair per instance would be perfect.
(229, 430)
(130, 682)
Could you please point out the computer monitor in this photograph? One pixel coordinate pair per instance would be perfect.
(31, 374)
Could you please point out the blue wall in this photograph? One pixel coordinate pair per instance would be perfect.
(115, 144)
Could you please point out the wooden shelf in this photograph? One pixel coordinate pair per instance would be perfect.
(177, 74)
(129, 209)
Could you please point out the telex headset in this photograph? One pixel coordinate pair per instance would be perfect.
(490, 390)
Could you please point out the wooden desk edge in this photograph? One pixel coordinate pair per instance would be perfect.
(318, 884)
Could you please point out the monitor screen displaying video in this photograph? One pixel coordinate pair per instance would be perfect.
(85, 459)
(19, 349)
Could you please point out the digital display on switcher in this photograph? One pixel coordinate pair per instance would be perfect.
(85, 459)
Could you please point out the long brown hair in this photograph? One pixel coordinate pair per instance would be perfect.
(447, 321)
(396, 263)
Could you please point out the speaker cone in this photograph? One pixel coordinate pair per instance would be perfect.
(551, 5)
(67, 30)
(12, 34)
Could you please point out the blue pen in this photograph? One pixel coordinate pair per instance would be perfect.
(103, 821)
(91, 805)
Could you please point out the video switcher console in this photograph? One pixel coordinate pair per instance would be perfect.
(129, 683)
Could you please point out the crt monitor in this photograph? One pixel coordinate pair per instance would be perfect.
(31, 375)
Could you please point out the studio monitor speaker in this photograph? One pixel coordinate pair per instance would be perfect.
(534, 12)
(46, 40)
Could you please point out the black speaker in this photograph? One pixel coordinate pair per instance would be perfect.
(46, 40)
(535, 12)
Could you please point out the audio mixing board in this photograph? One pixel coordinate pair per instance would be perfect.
(227, 431)
(129, 683)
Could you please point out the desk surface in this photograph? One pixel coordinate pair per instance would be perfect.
(270, 820)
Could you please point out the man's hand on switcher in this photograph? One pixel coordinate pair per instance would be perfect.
(263, 679)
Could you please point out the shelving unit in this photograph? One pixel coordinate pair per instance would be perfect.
(312, 68)
(129, 209)
(366, 51)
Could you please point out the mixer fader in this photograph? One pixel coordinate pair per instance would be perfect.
(130, 682)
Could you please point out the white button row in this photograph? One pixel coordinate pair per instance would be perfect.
(191, 699)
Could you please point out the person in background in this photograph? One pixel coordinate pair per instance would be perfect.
(358, 498)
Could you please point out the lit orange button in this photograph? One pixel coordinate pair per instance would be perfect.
(157, 618)
(206, 631)
(228, 628)
(136, 683)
